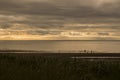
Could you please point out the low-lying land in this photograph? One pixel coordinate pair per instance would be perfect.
(59, 66)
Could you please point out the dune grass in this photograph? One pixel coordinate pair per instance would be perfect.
(37, 67)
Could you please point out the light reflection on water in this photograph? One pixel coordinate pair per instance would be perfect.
(100, 46)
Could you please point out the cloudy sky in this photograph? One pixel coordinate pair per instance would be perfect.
(60, 19)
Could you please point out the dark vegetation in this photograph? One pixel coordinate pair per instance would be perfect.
(39, 67)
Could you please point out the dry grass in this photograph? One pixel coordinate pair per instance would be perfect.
(37, 67)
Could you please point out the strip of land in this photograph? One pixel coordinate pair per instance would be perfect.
(66, 54)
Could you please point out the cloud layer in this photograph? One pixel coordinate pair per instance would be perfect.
(88, 18)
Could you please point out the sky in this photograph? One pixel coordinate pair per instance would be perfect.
(59, 19)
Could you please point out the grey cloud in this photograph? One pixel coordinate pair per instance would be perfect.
(103, 33)
(77, 8)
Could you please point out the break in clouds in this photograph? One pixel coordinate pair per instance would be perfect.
(60, 19)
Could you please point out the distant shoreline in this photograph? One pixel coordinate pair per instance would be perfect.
(72, 55)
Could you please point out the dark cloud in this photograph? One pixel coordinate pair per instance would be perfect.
(5, 26)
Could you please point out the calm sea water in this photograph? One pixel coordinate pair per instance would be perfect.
(100, 46)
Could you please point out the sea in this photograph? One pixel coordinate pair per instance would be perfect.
(57, 45)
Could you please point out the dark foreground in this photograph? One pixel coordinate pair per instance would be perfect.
(59, 67)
